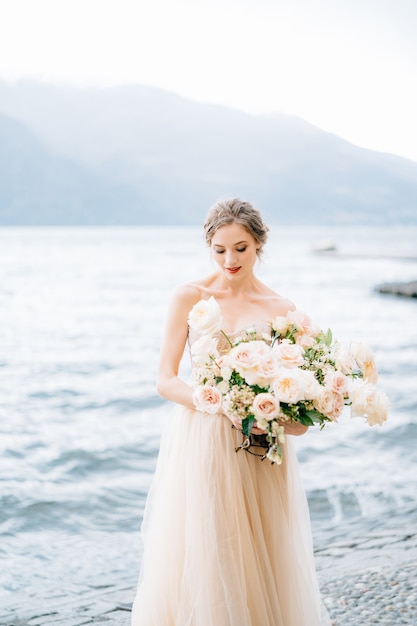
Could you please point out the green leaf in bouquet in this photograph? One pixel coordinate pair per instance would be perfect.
(247, 425)
(290, 334)
(315, 417)
(256, 389)
(325, 338)
(305, 419)
(236, 379)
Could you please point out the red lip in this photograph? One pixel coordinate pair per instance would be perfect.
(232, 270)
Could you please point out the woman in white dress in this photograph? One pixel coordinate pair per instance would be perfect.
(227, 538)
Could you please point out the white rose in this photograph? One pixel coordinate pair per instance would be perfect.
(205, 316)
(344, 360)
(364, 357)
(207, 399)
(226, 372)
(280, 324)
(223, 387)
(265, 406)
(289, 386)
(312, 387)
(330, 403)
(369, 402)
(379, 412)
(289, 354)
(204, 348)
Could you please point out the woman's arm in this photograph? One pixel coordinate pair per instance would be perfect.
(169, 385)
(294, 428)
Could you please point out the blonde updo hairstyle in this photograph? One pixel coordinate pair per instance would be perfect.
(235, 211)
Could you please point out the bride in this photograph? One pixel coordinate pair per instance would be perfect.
(227, 538)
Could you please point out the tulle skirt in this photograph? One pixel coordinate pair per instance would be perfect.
(227, 538)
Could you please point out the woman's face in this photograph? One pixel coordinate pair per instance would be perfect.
(234, 249)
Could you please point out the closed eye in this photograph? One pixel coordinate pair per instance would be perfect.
(237, 250)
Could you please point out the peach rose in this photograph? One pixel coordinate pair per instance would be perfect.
(303, 323)
(336, 381)
(330, 403)
(265, 406)
(207, 399)
(255, 362)
(289, 354)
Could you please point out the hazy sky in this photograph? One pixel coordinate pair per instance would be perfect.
(347, 66)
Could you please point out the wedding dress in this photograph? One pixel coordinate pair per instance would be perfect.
(227, 538)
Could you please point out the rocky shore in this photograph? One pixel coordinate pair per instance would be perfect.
(408, 290)
(368, 576)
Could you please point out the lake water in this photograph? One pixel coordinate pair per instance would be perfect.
(81, 318)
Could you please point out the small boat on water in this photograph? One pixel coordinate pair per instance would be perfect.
(325, 247)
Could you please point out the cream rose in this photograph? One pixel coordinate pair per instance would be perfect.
(205, 316)
(207, 399)
(364, 357)
(223, 386)
(280, 324)
(204, 348)
(379, 412)
(265, 406)
(369, 402)
(289, 354)
(289, 386)
(330, 403)
(344, 360)
(312, 387)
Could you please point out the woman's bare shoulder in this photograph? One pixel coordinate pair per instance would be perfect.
(190, 293)
(278, 304)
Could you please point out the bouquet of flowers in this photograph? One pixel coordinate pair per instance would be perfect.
(295, 373)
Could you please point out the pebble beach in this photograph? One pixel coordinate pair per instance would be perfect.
(365, 580)
(371, 578)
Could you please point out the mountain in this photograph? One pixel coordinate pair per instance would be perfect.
(38, 186)
(141, 155)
